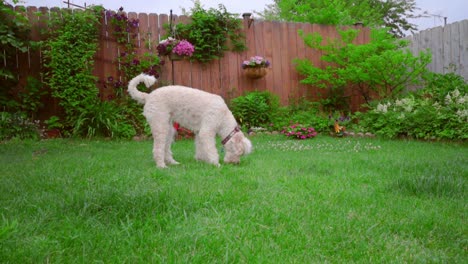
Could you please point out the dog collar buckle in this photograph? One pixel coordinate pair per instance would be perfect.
(236, 129)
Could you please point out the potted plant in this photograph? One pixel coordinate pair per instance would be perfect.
(53, 127)
(255, 67)
(175, 49)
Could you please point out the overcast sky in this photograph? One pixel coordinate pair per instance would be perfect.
(454, 10)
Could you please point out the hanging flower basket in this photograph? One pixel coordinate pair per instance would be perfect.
(175, 49)
(255, 73)
(255, 67)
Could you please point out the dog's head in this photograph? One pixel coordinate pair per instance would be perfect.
(237, 146)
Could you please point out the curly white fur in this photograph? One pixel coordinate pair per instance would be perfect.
(206, 114)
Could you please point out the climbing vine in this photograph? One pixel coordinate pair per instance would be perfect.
(131, 62)
(212, 32)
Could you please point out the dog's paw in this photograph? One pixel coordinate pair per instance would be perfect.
(161, 165)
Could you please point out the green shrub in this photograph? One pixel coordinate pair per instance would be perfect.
(439, 111)
(212, 32)
(300, 112)
(105, 120)
(18, 125)
(255, 109)
(69, 54)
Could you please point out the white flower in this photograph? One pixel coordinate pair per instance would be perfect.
(169, 39)
(455, 93)
(382, 108)
(448, 99)
(462, 100)
(462, 114)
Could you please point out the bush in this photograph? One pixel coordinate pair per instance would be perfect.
(105, 120)
(68, 52)
(255, 108)
(17, 125)
(302, 112)
(439, 111)
(299, 131)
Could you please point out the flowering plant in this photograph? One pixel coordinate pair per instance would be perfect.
(337, 122)
(299, 131)
(172, 45)
(255, 62)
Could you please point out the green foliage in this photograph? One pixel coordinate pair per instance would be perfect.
(212, 32)
(374, 13)
(301, 112)
(383, 65)
(53, 123)
(69, 53)
(14, 30)
(30, 98)
(106, 119)
(439, 111)
(14, 39)
(18, 125)
(131, 63)
(255, 109)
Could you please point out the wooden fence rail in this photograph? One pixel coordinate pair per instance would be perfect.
(279, 42)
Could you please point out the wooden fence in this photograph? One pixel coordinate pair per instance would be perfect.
(448, 45)
(279, 42)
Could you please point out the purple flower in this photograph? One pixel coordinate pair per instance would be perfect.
(256, 62)
(184, 48)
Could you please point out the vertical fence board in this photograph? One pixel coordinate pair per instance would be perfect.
(463, 59)
(448, 46)
(268, 53)
(276, 68)
(259, 84)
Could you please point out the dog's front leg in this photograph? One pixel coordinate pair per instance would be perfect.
(205, 144)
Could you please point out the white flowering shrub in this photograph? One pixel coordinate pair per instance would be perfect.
(439, 111)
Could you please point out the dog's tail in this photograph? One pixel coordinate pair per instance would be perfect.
(132, 87)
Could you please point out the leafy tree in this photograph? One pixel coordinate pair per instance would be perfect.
(383, 65)
(14, 37)
(392, 14)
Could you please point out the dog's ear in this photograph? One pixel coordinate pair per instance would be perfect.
(149, 80)
(242, 144)
(247, 146)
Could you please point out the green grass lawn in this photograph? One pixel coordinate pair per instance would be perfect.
(323, 200)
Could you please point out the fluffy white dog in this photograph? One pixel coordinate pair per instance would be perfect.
(206, 114)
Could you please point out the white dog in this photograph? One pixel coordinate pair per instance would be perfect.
(204, 113)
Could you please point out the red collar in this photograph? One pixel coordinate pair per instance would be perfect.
(225, 140)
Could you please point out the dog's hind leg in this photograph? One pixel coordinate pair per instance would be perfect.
(168, 153)
(159, 131)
